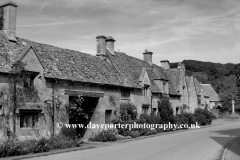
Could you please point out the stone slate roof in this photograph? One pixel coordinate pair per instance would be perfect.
(77, 66)
(62, 63)
(131, 68)
(174, 78)
(197, 86)
(209, 91)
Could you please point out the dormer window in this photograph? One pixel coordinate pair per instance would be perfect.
(145, 90)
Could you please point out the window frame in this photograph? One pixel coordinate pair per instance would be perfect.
(123, 95)
(29, 119)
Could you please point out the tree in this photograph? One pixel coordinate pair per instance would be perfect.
(165, 110)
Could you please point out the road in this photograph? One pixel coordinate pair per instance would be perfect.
(200, 144)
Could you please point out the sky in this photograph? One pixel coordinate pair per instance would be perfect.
(174, 30)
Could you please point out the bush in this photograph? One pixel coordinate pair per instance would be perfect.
(165, 110)
(202, 114)
(42, 145)
(69, 132)
(201, 119)
(105, 135)
(128, 111)
(123, 131)
(134, 134)
(150, 119)
(61, 142)
(14, 147)
(191, 119)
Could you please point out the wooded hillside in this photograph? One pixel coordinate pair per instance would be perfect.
(221, 76)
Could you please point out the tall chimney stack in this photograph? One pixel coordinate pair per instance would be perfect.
(101, 46)
(110, 44)
(8, 18)
(165, 64)
(147, 56)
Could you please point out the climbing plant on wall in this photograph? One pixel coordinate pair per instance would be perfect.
(16, 93)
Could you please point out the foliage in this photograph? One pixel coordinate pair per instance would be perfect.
(105, 135)
(204, 116)
(151, 119)
(42, 145)
(14, 147)
(123, 131)
(221, 76)
(134, 134)
(165, 110)
(18, 91)
(128, 111)
(69, 132)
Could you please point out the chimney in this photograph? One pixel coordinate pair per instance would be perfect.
(101, 46)
(165, 64)
(110, 44)
(8, 18)
(147, 56)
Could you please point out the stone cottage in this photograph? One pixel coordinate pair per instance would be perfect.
(104, 80)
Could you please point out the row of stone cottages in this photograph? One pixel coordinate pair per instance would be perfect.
(108, 76)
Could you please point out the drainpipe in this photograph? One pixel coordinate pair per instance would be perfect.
(53, 104)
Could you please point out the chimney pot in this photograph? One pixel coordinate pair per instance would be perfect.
(101, 46)
(8, 18)
(110, 44)
(147, 56)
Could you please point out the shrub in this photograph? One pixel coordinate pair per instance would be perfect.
(105, 135)
(151, 119)
(165, 110)
(201, 119)
(123, 131)
(61, 141)
(13, 147)
(69, 132)
(42, 145)
(181, 119)
(134, 134)
(145, 131)
(205, 114)
(128, 111)
(191, 119)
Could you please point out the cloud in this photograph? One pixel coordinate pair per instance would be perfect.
(48, 24)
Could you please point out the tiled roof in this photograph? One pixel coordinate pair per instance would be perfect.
(62, 63)
(131, 68)
(209, 91)
(174, 78)
(197, 86)
(77, 66)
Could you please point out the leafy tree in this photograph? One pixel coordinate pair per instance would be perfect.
(165, 110)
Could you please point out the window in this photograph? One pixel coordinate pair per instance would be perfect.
(145, 90)
(164, 87)
(145, 109)
(1, 110)
(108, 116)
(28, 119)
(29, 82)
(199, 99)
(155, 111)
(125, 93)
